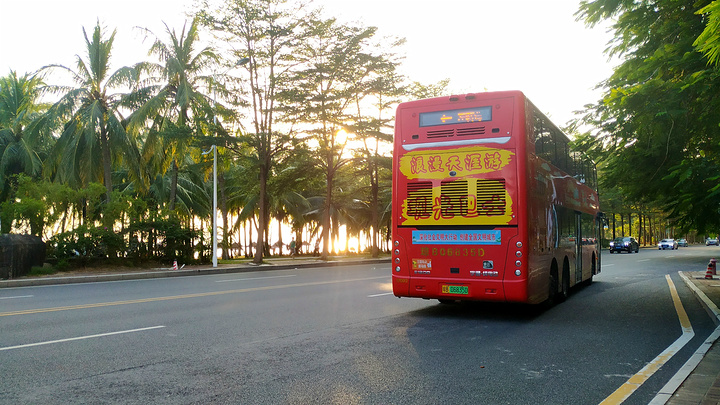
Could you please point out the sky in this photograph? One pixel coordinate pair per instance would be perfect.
(535, 46)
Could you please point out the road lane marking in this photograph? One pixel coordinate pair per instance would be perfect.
(608, 265)
(230, 280)
(378, 295)
(643, 260)
(179, 297)
(17, 296)
(634, 382)
(669, 389)
(50, 342)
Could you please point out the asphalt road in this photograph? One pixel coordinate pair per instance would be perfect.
(338, 336)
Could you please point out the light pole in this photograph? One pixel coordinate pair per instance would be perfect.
(240, 62)
(214, 236)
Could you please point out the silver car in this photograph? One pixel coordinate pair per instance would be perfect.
(668, 244)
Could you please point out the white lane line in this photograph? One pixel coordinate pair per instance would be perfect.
(378, 295)
(636, 381)
(669, 389)
(643, 260)
(230, 280)
(17, 296)
(79, 338)
(608, 265)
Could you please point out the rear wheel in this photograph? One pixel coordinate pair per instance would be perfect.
(553, 284)
(565, 291)
(593, 270)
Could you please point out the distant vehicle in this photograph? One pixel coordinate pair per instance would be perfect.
(711, 241)
(668, 244)
(683, 243)
(624, 244)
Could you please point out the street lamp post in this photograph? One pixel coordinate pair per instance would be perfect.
(214, 236)
(240, 62)
(213, 148)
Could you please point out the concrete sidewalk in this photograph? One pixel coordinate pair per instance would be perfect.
(702, 385)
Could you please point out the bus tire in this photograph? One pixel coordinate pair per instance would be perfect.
(565, 291)
(593, 270)
(553, 283)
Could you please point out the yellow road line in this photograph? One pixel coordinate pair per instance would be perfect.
(178, 297)
(632, 384)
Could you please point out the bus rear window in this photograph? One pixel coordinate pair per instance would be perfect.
(460, 116)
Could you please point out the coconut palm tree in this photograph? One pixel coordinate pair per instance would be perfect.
(20, 151)
(92, 137)
(176, 108)
(19, 106)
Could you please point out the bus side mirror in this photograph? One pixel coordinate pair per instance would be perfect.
(602, 218)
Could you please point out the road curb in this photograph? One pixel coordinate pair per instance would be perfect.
(673, 386)
(34, 282)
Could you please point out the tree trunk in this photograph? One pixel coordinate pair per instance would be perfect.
(107, 162)
(375, 219)
(173, 185)
(248, 240)
(326, 219)
(280, 244)
(223, 208)
(261, 220)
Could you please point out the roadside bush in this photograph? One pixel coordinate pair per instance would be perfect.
(41, 270)
(167, 240)
(85, 243)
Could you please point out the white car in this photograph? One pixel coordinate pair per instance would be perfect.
(668, 244)
(711, 241)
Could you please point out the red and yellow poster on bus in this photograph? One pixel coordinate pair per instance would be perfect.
(462, 162)
(464, 186)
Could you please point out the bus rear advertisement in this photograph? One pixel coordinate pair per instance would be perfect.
(490, 203)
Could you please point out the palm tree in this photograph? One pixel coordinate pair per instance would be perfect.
(19, 150)
(93, 137)
(176, 106)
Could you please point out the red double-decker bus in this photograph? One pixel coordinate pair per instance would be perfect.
(490, 203)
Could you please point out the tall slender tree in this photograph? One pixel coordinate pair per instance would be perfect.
(375, 134)
(341, 64)
(267, 32)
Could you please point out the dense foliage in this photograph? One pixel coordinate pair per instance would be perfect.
(118, 165)
(299, 109)
(657, 129)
